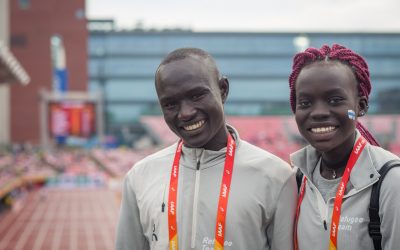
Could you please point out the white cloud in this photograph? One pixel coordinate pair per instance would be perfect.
(253, 15)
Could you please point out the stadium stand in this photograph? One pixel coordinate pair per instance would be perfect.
(66, 198)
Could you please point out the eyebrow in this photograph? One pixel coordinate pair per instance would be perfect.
(187, 93)
(331, 90)
(197, 89)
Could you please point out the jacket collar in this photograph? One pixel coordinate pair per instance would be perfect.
(207, 158)
(363, 174)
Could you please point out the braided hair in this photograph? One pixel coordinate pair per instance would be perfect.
(338, 53)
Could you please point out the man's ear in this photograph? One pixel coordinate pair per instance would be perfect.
(224, 88)
(362, 106)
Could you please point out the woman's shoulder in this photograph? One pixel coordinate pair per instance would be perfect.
(381, 156)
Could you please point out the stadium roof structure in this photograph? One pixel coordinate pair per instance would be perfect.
(10, 69)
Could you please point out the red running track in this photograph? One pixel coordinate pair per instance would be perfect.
(61, 219)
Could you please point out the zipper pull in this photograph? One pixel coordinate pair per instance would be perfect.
(162, 207)
(198, 165)
(325, 226)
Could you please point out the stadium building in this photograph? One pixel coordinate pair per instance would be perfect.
(122, 64)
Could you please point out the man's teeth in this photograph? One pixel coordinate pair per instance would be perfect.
(194, 126)
(322, 130)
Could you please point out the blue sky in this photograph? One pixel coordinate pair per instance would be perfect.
(252, 15)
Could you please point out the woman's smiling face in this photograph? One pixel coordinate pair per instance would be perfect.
(325, 92)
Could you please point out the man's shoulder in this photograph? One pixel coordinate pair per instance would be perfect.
(165, 152)
(251, 153)
(268, 166)
(254, 151)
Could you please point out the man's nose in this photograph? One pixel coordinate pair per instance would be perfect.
(186, 111)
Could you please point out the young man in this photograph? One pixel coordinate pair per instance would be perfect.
(211, 190)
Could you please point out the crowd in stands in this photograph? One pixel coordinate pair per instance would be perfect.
(98, 167)
(118, 161)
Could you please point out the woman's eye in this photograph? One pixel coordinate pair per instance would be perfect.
(335, 100)
(303, 104)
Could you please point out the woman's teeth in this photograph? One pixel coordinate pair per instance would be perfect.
(322, 130)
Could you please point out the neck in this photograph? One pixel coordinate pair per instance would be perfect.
(333, 167)
(337, 158)
(219, 142)
(335, 164)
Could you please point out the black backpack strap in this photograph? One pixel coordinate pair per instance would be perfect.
(374, 226)
(299, 179)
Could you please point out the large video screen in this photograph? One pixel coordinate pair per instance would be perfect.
(72, 118)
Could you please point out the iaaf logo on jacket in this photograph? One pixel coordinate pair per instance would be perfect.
(172, 207)
(230, 149)
(208, 243)
(219, 229)
(174, 170)
(341, 189)
(358, 147)
(224, 190)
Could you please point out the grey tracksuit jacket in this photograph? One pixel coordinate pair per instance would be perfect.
(261, 202)
(353, 225)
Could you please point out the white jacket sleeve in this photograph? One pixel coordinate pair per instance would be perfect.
(389, 210)
(283, 221)
(129, 229)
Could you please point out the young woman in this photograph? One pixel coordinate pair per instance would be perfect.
(329, 89)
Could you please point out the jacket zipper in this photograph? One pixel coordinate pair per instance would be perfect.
(163, 198)
(322, 206)
(195, 203)
(321, 202)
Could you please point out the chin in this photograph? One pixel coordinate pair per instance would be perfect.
(322, 146)
(193, 143)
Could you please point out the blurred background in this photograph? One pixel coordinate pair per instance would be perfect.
(78, 105)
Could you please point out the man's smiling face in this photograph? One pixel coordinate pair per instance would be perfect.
(191, 98)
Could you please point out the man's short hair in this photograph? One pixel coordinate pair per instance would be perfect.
(182, 53)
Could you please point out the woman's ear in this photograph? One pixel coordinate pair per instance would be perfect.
(362, 106)
(224, 88)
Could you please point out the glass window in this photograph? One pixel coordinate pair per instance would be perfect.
(131, 66)
(24, 4)
(383, 66)
(131, 90)
(215, 43)
(254, 66)
(18, 40)
(120, 113)
(258, 90)
(126, 113)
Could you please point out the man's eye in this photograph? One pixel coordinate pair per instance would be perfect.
(169, 105)
(196, 97)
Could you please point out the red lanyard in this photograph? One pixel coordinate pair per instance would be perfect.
(337, 207)
(222, 203)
